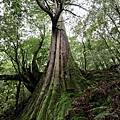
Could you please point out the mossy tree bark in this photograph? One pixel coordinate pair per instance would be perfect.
(50, 100)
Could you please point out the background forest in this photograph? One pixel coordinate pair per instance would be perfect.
(93, 29)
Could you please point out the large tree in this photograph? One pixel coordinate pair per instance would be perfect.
(61, 75)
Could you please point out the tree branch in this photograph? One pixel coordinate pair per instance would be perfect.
(59, 9)
(10, 77)
(48, 6)
(71, 12)
(45, 9)
(114, 23)
(77, 5)
(117, 9)
(35, 69)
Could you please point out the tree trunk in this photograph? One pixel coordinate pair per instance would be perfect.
(51, 98)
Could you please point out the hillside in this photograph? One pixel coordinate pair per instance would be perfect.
(99, 99)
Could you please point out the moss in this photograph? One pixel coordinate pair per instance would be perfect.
(43, 111)
(79, 118)
(52, 105)
(64, 107)
(55, 108)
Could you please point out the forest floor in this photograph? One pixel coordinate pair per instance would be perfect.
(100, 99)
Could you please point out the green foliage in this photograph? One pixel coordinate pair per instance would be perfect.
(23, 26)
(95, 45)
(8, 91)
(99, 34)
(100, 100)
(63, 107)
(7, 95)
(103, 114)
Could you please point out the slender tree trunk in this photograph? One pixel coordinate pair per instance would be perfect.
(62, 77)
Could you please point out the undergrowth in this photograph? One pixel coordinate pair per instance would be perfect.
(100, 98)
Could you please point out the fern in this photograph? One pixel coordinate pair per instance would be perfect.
(98, 108)
(102, 115)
